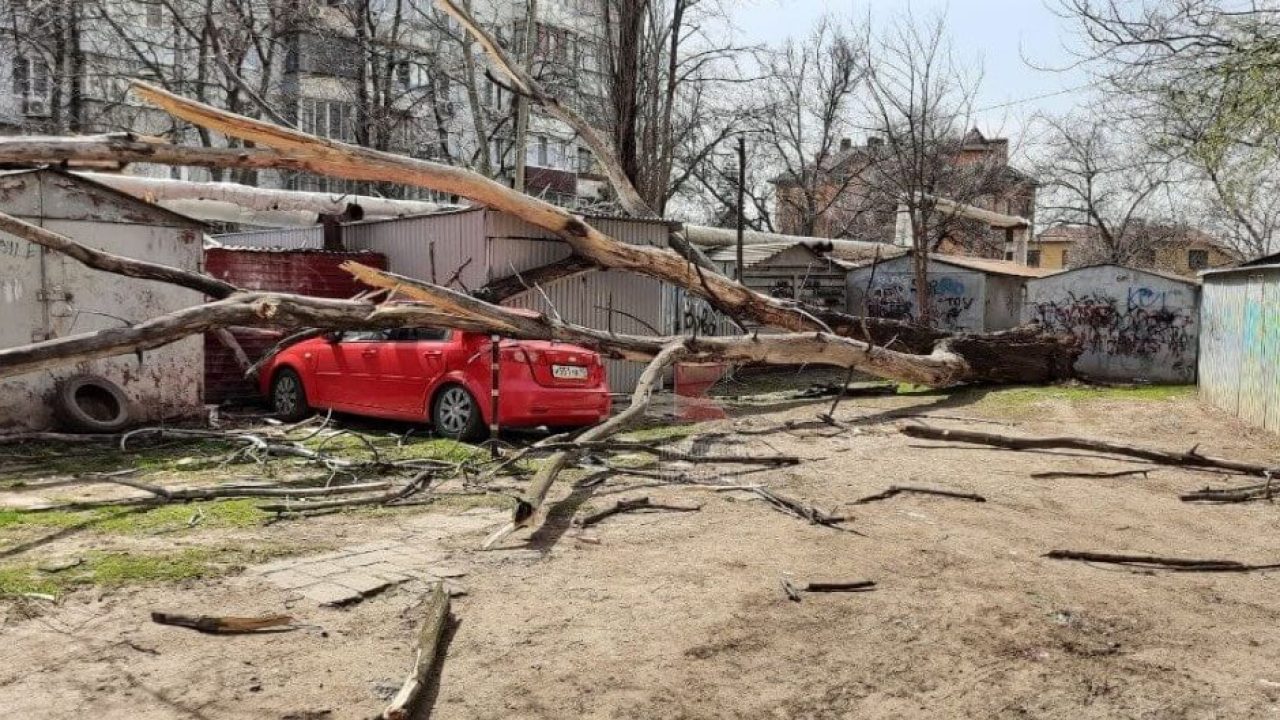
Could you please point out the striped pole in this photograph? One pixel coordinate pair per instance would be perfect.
(494, 363)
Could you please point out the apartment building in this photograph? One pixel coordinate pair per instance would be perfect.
(395, 76)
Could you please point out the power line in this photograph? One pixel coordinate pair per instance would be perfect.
(1033, 98)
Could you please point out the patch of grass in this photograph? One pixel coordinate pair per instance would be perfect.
(438, 449)
(133, 521)
(116, 569)
(1019, 397)
(661, 432)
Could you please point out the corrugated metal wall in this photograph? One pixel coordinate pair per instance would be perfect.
(586, 300)
(307, 238)
(1240, 344)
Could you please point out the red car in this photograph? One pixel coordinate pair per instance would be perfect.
(443, 376)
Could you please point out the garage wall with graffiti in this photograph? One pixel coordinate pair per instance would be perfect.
(963, 299)
(1133, 325)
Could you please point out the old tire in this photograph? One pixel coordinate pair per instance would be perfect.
(288, 396)
(455, 414)
(91, 403)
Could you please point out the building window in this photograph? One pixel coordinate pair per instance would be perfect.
(584, 161)
(155, 15)
(327, 118)
(1197, 259)
(1064, 258)
(1033, 258)
(31, 84)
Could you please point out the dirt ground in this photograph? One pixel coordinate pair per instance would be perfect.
(681, 615)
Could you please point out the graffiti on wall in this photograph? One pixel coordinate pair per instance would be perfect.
(894, 298)
(1141, 325)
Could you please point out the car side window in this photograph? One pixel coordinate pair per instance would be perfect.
(364, 336)
(431, 334)
(418, 334)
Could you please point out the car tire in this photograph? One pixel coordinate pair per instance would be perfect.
(289, 396)
(455, 414)
(90, 403)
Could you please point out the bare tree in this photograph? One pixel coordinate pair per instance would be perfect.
(1203, 76)
(920, 102)
(1093, 176)
(810, 90)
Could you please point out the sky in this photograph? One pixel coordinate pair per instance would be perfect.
(1004, 37)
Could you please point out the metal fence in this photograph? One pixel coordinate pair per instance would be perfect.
(1240, 343)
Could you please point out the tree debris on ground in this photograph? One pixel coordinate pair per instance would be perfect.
(631, 505)
(217, 625)
(425, 661)
(1150, 562)
(900, 489)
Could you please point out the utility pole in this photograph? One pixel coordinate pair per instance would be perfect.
(742, 181)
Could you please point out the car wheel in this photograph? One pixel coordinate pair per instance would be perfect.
(288, 396)
(456, 415)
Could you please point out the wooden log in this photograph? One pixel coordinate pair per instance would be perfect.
(223, 625)
(430, 637)
(1191, 458)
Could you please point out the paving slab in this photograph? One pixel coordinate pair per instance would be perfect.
(362, 582)
(328, 593)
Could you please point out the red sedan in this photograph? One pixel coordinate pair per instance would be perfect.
(418, 374)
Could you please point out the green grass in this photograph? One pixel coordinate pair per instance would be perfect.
(661, 432)
(116, 569)
(132, 521)
(1024, 396)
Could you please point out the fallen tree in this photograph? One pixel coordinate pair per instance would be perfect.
(1028, 356)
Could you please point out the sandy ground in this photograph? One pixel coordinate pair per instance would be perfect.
(681, 615)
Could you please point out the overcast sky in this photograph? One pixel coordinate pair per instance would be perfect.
(1001, 35)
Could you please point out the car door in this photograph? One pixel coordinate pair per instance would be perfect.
(416, 359)
(346, 370)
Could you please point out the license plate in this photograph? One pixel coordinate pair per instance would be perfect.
(569, 372)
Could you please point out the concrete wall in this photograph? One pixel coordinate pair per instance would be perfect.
(46, 295)
(956, 294)
(1134, 325)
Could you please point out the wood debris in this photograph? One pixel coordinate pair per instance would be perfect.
(217, 625)
(430, 637)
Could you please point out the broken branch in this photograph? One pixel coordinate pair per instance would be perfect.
(223, 625)
(899, 489)
(1164, 563)
(631, 505)
(1160, 457)
(429, 640)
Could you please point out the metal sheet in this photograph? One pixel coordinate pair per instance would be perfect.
(586, 300)
(446, 248)
(309, 238)
(56, 296)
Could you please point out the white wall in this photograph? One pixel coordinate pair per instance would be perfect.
(1133, 325)
(46, 294)
(957, 295)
